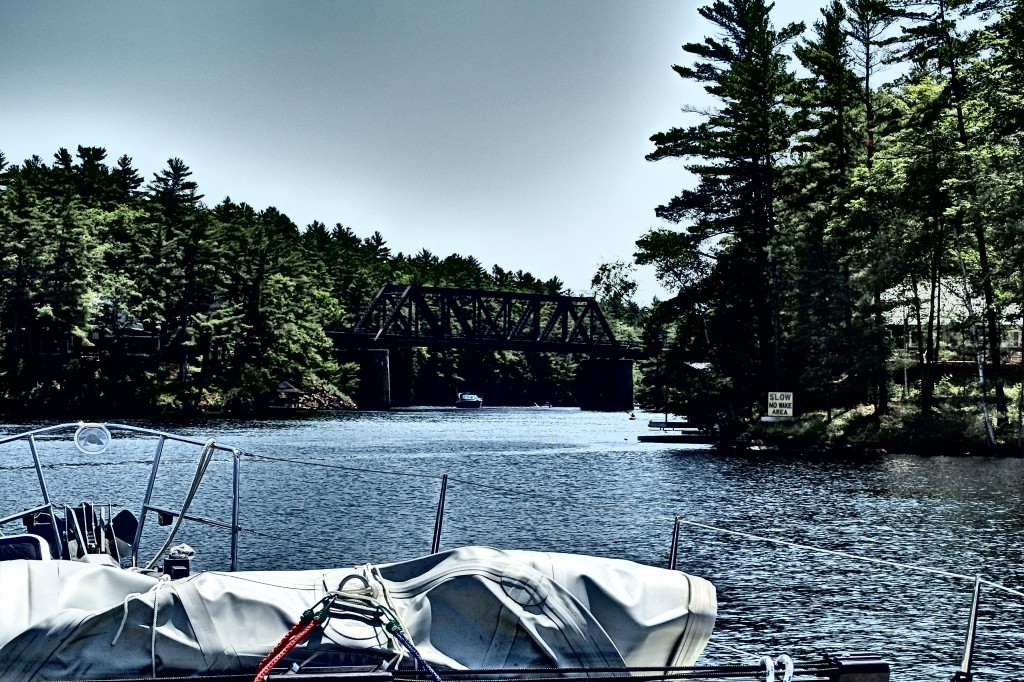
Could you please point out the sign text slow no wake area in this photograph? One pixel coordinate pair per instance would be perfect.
(780, 404)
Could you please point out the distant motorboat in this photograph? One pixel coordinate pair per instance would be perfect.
(467, 399)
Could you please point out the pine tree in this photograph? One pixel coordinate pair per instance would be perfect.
(862, 229)
(126, 180)
(175, 234)
(730, 225)
(830, 145)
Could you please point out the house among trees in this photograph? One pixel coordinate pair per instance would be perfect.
(285, 396)
(939, 328)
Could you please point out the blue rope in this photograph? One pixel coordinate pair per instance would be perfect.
(394, 629)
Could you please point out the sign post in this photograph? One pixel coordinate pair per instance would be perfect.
(780, 405)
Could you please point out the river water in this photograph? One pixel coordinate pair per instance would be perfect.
(361, 487)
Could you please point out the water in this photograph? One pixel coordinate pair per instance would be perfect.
(363, 487)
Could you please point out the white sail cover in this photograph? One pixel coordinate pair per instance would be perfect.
(473, 607)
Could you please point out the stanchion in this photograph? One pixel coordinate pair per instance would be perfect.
(435, 545)
(674, 552)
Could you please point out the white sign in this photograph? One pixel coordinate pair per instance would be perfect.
(780, 404)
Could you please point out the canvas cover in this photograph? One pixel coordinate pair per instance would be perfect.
(472, 607)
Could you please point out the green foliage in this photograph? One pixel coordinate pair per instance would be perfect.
(117, 294)
(724, 256)
(843, 229)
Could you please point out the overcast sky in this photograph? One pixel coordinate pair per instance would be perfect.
(513, 130)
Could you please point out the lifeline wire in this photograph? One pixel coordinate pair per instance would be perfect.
(848, 555)
(733, 649)
(795, 545)
(339, 466)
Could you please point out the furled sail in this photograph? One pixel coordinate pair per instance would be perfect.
(468, 608)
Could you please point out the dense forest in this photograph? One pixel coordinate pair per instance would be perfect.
(120, 295)
(853, 232)
(849, 230)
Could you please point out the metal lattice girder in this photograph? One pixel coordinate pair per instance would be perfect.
(499, 320)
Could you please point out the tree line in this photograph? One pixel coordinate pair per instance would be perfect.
(854, 231)
(853, 235)
(122, 295)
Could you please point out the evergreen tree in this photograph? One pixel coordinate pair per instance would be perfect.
(282, 306)
(23, 224)
(47, 275)
(126, 180)
(819, 295)
(998, 83)
(356, 269)
(94, 185)
(175, 233)
(862, 228)
(730, 232)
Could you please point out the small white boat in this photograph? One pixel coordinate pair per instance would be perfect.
(467, 399)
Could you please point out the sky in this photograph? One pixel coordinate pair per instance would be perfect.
(514, 131)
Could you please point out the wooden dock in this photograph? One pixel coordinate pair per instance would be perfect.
(677, 431)
(694, 438)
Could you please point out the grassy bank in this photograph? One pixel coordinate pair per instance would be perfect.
(954, 426)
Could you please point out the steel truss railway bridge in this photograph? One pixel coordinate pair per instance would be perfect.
(435, 317)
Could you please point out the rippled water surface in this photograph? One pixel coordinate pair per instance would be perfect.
(363, 487)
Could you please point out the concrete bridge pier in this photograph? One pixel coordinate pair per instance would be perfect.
(605, 385)
(374, 380)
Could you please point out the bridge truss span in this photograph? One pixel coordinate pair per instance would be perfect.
(412, 315)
